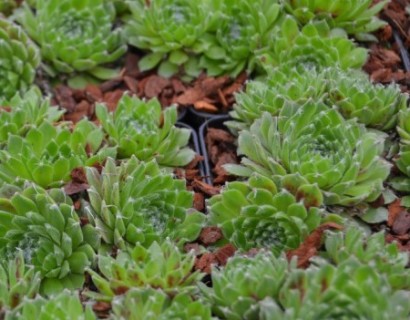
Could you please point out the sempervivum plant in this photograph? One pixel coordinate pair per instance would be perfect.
(138, 202)
(271, 93)
(352, 93)
(314, 46)
(320, 147)
(385, 259)
(403, 161)
(23, 112)
(171, 31)
(142, 129)
(161, 266)
(243, 286)
(47, 229)
(350, 290)
(244, 27)
(48, 154)
(151, 304)
(356, 96)
(356, 17)
(75, 36)
(254, 214)
(63, 306)
(7, 6)
(19, 58)
(17, 282)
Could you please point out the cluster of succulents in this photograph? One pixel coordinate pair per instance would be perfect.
(95, 211)
(352, 93)
(359, 281)
(182, 37)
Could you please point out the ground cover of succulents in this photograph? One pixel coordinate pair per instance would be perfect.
(186, 159)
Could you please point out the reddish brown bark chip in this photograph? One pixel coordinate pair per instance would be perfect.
(401, 225)
(224, 253)
(311, 245)
(210, 235)
(199, 201)
(395, 209)
(74, 187)
(154, 85)
(78, 175)
(204, 106)
(102, 309)
(64, 98)
(93, 93)
(131, 84)
(205, 188)
(193, 247)
(205, 262)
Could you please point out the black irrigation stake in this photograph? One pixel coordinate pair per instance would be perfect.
(194, 142)
(197, 118)
(403, 52)
(214, 122)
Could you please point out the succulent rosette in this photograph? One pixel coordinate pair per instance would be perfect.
(161, 266)
(317, 146)
(402, 183)
(271, 94)
(244, 27)
(17, 282)
(65, 305)
(46, 228)
(356, 17)
(349, 290)
(19, 58)
(352, 93)
(23, 112)
(241, 287)
(253, 214)
(7, 6)
(142, 129)
(151, 304)
(315, 46)
(355, 96)
(171, 32)
(46, 155)
(138, 202)
(365, 279)
(75, 36)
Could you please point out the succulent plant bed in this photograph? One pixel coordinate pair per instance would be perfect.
(185, 159)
